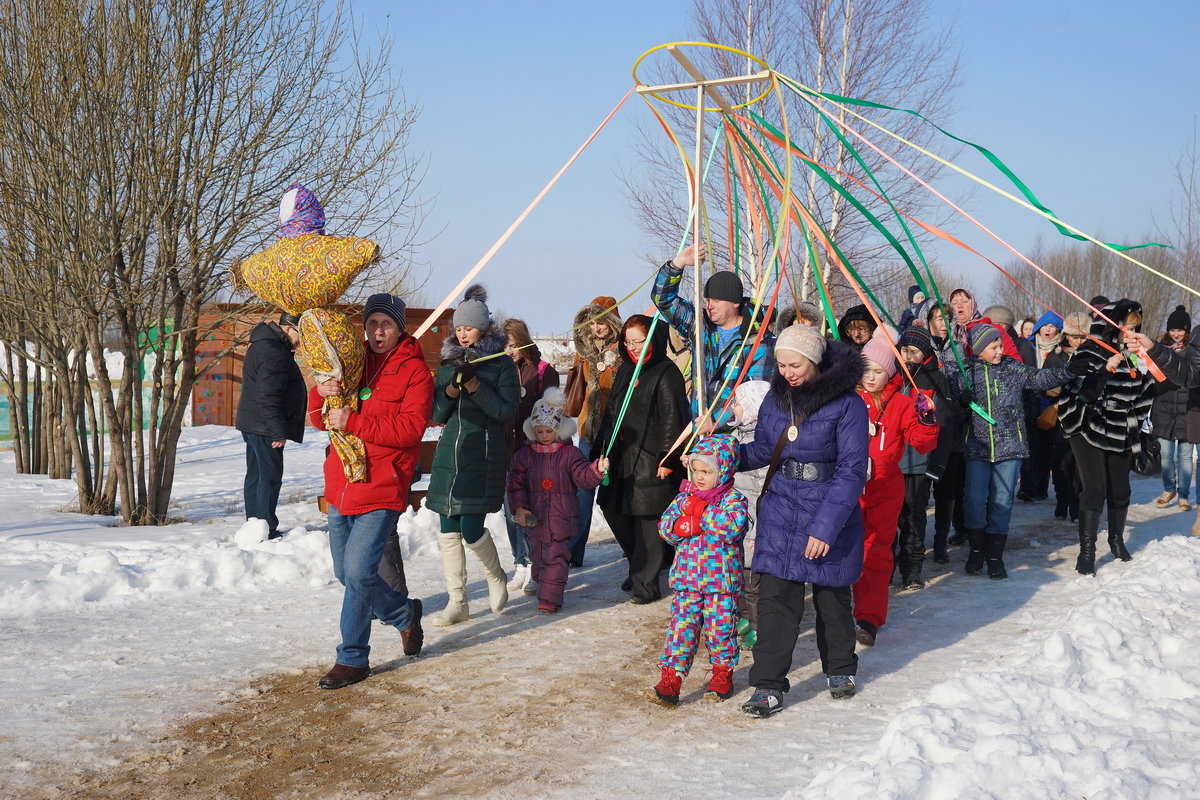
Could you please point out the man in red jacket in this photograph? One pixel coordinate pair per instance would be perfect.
(396, 397)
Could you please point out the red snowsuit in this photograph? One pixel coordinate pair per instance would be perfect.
(895, 425)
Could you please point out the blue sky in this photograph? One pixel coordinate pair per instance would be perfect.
(1089, 102)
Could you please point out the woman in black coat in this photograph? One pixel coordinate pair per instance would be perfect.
(1101, 417)
(638, 489)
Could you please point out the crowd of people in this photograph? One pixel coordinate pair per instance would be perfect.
(784, 458)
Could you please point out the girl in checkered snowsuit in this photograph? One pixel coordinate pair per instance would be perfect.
(705, 523)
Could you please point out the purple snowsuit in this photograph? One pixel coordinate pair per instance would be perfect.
(545, 483)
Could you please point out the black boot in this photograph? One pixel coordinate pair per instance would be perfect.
(1116, 533)
(994, 551)
(976, 557)
(940, 554)
(1089, 525)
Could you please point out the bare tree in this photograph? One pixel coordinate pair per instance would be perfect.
(1089, 270)
(151, 157)
(882, 50)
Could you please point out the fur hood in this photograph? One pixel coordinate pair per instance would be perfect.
(841, 368)
(587, 346)
(491, 342)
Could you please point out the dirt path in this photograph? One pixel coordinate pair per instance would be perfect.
(479, 710)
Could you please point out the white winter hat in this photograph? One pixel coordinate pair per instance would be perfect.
(803, 339)
(548, 413)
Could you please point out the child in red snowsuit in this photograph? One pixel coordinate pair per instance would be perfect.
(705, 523)
(894, 421)
(543, 478)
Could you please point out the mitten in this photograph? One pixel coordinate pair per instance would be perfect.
(1081, 368)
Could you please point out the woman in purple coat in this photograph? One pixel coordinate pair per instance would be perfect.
(813, 437)
(542, 482)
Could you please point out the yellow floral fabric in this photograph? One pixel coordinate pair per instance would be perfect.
(332, 349)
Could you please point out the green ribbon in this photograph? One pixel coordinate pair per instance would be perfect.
(988, 154)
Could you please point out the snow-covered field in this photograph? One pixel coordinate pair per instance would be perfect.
(1046, 685)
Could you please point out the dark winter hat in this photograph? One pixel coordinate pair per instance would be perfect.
(724, 285)
(384, 304)
(1099, 301)
(915, 295)
(982, 335)
(473, 312)
(292, 321)
(919, 338)
(1179, 320)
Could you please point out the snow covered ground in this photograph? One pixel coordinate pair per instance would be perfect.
(1046, 685)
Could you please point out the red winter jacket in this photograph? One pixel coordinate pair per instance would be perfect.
(391, 422)
(895, 425)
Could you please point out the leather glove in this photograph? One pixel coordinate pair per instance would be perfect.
(464, 374)
(967, 398)
(926, 412)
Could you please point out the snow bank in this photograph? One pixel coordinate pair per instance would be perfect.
(1098, 708)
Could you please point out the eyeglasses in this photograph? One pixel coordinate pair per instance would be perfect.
(634, 342)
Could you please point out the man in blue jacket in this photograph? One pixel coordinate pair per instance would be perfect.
(270, 411)
(729, 329)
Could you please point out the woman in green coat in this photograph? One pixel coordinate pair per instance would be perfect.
(475, 399)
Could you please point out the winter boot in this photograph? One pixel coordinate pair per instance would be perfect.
(666, 691)
(994, 553)
(764, 703)
(976, 557)
(1116, 533)
(720, 686)
(454, 570)
(1089, 525)
(485, 551)
(940, 554)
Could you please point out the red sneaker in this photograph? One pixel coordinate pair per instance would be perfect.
(666, 691)
(720, 687)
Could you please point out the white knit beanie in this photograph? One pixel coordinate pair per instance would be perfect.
(802, 339)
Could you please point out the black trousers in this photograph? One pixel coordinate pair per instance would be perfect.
(1066, 496)
(948, 498)
(1035, 470)
(264, 477)
(780, 608)
(645, 549)
(1103, 475)
(911, 540)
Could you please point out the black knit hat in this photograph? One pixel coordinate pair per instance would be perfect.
(384, 304)
(724, 285)
(292, 321)
(1179, 320)
(919, 338)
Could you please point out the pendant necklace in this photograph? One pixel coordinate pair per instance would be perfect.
(365, 391)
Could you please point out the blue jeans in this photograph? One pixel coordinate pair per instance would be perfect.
(516, 537)
(1183, 452)
(587, 500)
(356, 542)
(264, 476)
(988, 495)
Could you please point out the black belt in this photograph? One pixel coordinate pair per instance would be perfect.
(806, 470)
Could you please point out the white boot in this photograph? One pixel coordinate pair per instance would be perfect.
(454, 570)
(520, 577)
(485, 550)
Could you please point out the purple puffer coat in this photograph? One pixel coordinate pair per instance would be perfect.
(833, 430)
(545, 483)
